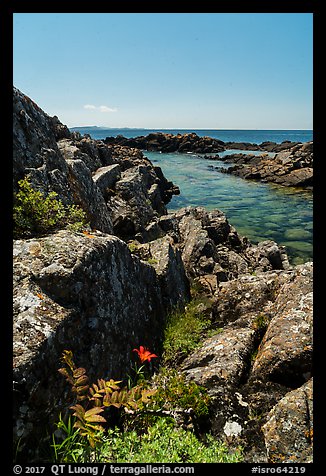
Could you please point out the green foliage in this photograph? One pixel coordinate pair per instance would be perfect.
(70, 446)
(148, 436)
(183, 333)
(132, 246)
(253, 356)
(261, 322)
(98, 396)
(152, 261)
(35, 214)
(162, 443)
(172, 391)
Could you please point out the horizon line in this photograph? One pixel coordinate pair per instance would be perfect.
(186, 128)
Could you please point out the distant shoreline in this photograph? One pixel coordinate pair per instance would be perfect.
(76, 128)
(252, 136)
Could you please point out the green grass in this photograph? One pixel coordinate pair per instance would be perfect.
(163, 442)
(174, 392)
(183, 332)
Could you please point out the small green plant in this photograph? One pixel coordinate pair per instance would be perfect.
(261, 322)
(69, 446)
(163, 443)
(253, 356)
(132, 247)
(36, 214)
(91, 400)
(152, 261)
(172, 391)
(183, 332)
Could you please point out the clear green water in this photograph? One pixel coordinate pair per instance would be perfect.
(257, 210)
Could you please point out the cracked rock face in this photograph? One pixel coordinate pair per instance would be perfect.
(262, 352)
(88, 294)
(285, 353)
(221, 359)
(289, 429)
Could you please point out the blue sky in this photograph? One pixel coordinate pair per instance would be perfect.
(168, 70)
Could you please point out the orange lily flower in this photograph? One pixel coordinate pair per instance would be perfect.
(144, 354)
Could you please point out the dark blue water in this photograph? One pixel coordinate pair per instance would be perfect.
(259, 211)
(253, 136)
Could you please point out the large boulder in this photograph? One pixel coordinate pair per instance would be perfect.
(288, 431)
(285, 353)
(222, 359)
(89, 294)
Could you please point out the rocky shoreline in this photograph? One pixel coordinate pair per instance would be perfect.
(291, 168)
(292, 165)
(191, 142)
(105, 292)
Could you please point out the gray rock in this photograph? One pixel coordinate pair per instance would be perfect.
(86, 294)
(246, 295)
(167, 261)
(221, 359)
(71, 150)
(88, 196)
(292, 167)
(136, 203)
(106, 177)
(288, 431)
(285, 353)
(32, 132)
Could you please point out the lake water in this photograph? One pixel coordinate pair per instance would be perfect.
(226, 135)
(259, 211)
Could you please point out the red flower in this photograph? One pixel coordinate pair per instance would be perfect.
(144, 354)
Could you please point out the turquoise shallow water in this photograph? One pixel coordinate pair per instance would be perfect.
(259, 211)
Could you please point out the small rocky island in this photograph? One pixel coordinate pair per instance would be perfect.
(293, 167)
(105, 291)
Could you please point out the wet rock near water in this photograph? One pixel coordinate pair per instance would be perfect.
(264, 146)
(292, 167)
(165, 142)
